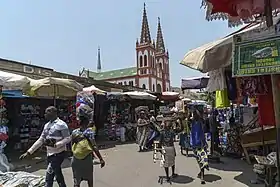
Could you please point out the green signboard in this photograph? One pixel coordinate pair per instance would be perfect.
(257, 58)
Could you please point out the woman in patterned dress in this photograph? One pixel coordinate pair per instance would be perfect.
(199, 144)
(142, 131)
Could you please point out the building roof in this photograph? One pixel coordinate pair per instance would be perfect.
(114, 74)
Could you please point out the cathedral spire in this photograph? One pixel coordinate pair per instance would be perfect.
(98, 61)
(160, 42)
(145, 32)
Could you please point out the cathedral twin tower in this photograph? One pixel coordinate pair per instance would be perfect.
(152, 59)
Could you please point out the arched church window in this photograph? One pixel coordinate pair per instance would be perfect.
(141, 61)
(145, 60)
(144, 86)
(160, 65)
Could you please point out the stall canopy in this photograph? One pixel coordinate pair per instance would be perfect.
(195, 83)
(140, 95)
(94, 89)
(55, 87)
(172, 96)
(13, 94)
(11, 81)
(213, 55)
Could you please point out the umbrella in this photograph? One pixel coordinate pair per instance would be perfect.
(55, 87)
(140, 95)
(213, 55)
(11, 81)
(93, 89)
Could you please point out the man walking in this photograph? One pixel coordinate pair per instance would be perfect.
(55, 136)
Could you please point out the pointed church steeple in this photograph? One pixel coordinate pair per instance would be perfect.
(160, 42)
(98, 61)
(145, 32)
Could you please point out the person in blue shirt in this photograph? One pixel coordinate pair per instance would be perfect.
(199, 144)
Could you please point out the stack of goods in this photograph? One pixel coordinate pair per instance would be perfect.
(84, 98)
(111, 128)
(32, 124)
(3, 125)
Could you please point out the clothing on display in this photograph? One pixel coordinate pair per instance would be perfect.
(265, 104)
(222, 100)
(252, 86)
(31, 125)
(231, 86)
(217, 80)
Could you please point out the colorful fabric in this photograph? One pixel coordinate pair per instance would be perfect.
(81, 147)
(142, 135)
(252, 86)
(167, 138)
(222, 100)
(197, 134)
(266, 106)
(201, 157)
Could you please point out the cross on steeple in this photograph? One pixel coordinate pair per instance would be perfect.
(145, 32)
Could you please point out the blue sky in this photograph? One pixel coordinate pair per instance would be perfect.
(64, 34)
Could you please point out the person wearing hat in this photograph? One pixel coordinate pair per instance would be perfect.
(142, 131)
(83, 145)
(166, 141)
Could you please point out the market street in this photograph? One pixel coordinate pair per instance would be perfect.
(125, 167)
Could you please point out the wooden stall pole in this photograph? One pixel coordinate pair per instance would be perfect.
(276, 101)
(276, 95)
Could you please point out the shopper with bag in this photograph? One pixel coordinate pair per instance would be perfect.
(55, 137)
(83, 146)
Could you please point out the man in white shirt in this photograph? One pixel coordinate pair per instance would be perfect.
(55, 137)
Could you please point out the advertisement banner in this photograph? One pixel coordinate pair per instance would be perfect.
(256, 57)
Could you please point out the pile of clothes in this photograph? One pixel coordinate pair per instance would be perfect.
(17, 179)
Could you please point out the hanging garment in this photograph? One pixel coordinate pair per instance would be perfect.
(252, 86)
(266, 106)
(222, 100)
(217, 80)
(231, 86)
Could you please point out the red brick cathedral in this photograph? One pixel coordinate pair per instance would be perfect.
(152, 63)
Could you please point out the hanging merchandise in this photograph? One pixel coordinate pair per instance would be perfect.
(266, 106)
(231, 86)
(222, 100)
(252, 86)
(252, 101)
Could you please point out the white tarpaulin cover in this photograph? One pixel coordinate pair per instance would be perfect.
(140, 95)
(19, 179)
(213, 55)
(55, 87)
(195, 82)
(11, 81)
(93, 89)
(170, 94)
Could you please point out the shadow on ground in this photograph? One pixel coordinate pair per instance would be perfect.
(211, 178)
(182, 179)
(236, 165)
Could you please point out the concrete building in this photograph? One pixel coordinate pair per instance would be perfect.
(151, 69)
